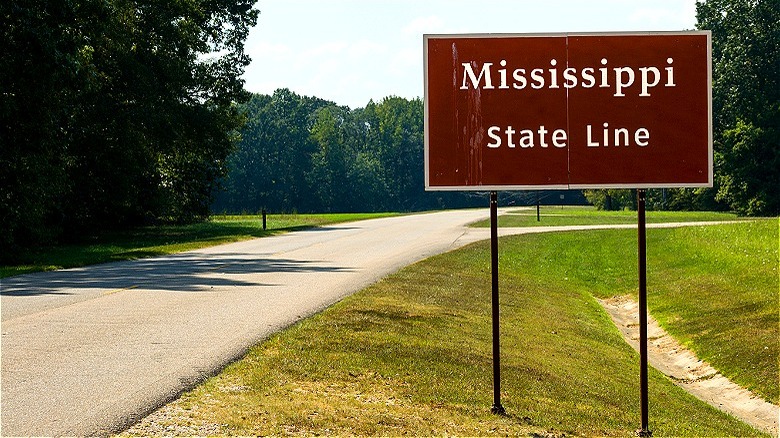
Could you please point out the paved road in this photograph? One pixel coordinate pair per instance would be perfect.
(89, 351)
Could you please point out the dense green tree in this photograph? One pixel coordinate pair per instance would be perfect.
(306, 154)
(269, 168)
(399, 141)
(612, 199)
(38, 69)
(367, 188)
(116, 112)
(329, 166)
(746, 101)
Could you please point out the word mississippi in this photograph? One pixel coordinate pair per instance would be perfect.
(624, 77)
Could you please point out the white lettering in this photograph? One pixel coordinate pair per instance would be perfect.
(542, 134)
(639, 81)
(559, 138)
(591, 143)
(669, 73)
(587, 75)
(496, 139)
(569, 79)
(536, 76)
(641, 137)
(509, 132)
(527, 139)
(645, 84)
(502, 73)
(468, 72)
(620, 136)
(519, 76)
(553, 74)
(604, 77)
(618, 132)
(619, 84)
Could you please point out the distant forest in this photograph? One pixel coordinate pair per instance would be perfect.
(305, 154)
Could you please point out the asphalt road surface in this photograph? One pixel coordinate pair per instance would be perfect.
(90, 351)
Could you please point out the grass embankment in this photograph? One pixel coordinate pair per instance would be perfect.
(411, 354)
(714, 288)
(551, 216)
(168, 239)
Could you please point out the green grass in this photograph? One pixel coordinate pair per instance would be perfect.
(714, 288)
(411, 355)
(557, 216)
(719, 295)
(169, 239)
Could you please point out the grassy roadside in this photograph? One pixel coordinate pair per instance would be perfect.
(169, 239)
(556, 216)
(714, 288)
(411, 354)
(727, 310)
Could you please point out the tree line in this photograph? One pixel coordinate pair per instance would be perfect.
(115, 113)
(299, 153)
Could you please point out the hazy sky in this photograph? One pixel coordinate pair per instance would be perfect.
(351, 51)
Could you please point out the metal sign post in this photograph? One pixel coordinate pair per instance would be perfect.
(497, 407)
(642, 244)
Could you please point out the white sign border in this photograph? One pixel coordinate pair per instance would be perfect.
(481, 188)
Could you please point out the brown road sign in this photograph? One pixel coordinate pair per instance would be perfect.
(552, 111)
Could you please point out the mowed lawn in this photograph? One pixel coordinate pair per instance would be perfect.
(412, 353)
(167, 239)
(715, 288)
(550, 216)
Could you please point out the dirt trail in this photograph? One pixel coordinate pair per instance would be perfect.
(687, 371)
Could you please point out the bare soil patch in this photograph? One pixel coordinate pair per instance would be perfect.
(687, 371)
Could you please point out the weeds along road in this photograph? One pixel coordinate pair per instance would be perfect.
(90, 351)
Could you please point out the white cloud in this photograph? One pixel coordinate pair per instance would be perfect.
(407, 59)
(329, 49)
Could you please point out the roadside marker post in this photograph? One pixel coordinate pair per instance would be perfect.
(628, 110)
(497, 407)
(641, 196)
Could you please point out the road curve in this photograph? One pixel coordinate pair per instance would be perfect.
(90, 351)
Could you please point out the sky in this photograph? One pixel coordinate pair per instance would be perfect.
(353, 51)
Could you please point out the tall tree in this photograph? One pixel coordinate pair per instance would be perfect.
(116, 111)
(38, 64)
(399, 135)
(746, 101)
(273, 157)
